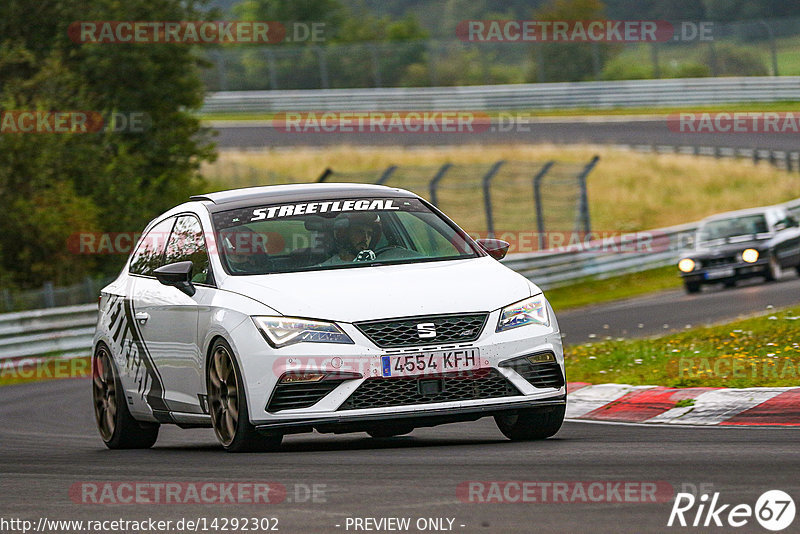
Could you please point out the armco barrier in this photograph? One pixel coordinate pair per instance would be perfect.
(682, 92)
(69, 330)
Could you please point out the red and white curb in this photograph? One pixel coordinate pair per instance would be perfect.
(702, 405)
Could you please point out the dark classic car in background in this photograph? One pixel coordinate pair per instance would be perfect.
(758, 242)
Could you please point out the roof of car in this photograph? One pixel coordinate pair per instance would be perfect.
(248, 196)
(742, 213)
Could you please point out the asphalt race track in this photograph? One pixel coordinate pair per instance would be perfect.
(49, 444)
(622, 130)
(668, 311)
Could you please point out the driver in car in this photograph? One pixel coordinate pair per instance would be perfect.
(355, 236)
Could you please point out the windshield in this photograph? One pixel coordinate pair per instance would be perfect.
(738, 226)
(334, 234)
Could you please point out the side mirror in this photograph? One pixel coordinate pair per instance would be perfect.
(496, 248)
(178, 275)
(781, 225)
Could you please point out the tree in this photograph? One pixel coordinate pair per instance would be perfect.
(570, 62)
(54, 185)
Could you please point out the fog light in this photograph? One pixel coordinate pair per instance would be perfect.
(686, 265)
(543, 357)
(290, 378)
(750, 255)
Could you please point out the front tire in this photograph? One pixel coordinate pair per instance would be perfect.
(774, 270)
(227, 404)
(692, 287)
(532, 423)
(115, 423)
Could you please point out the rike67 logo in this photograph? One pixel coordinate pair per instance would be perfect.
(774, 510)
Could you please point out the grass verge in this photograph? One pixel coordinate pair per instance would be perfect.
(628, 191)
(756, 352)
(588, 292)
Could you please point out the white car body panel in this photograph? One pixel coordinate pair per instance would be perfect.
(162, 361)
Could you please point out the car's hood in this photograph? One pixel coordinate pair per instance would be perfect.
(358, 294)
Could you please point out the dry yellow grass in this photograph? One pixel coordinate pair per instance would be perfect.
(628, 190)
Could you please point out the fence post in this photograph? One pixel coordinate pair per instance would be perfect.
(537, 201)
(48, 295)
(272, 68)
(376, 66)
(434, 183)
(324, 176)
(584, 200)
(7, 304)
(596, 60)
(487, 197)
(654, 58)
(222, 76)
(386, 174)
(88, 285)
(323, 68)
(773, 51)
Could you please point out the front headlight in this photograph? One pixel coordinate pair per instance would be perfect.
(750, 255)
(686, 265)
(532, 310)
(283, 331)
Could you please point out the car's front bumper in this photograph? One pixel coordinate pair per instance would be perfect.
(262, 367)
(416, 418)
(723, 273)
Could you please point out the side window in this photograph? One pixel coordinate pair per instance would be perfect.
(187, 244)
(150, 253)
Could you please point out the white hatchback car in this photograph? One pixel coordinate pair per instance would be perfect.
(331, 307)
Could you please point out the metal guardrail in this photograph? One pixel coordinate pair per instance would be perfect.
(68, 331)
(594, 95)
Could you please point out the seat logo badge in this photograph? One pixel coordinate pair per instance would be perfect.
(426, 330)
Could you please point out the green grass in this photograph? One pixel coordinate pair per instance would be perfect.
(573, 112)
(756, 352)
(588, 292)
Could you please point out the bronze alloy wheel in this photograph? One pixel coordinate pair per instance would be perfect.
(223, 395)
(104, 389)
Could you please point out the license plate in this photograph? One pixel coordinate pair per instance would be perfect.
(720, 273)
(431, 363)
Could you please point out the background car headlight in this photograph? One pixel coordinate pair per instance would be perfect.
(686, 265)
(282, 331)
(532, 310)
(750, 255)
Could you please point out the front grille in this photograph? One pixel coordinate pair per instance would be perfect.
(458, 386)
(300, 394)
(713, 262)
(404, 332)
(539, 375)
